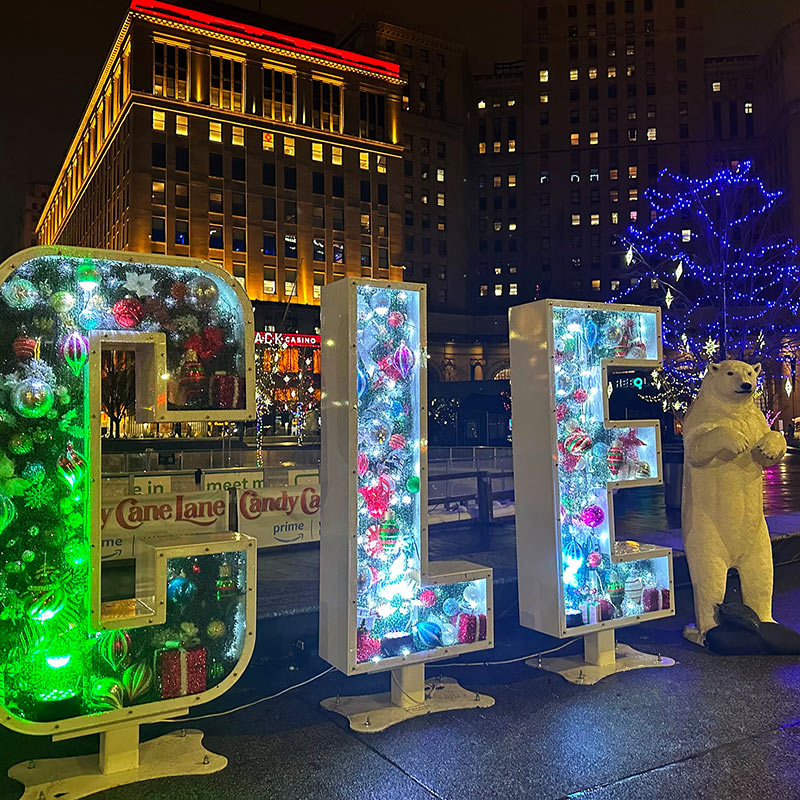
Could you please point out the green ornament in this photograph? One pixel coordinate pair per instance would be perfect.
(114, 647)
(412, 484)
(76, 553)
(46, 594)
(215, 672)
(8, 512)
(20, 294)
(87, 275)
(41, 435)
(106, 694)
(28, 556)
(20, 444)
(62, 302)
(14, 567)
(55, 536)
(136, 680)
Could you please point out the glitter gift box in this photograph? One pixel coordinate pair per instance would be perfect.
(471, 628)
(181, 671)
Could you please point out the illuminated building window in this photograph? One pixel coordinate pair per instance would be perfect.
(686, 235)
(632, 134)
(336, 155)
(239, 270)
(592, 73)
(363, 160)
(512, 224)
(441, 223)
(381, 162)
(748, 108)
(440, 199)
(498, 225)
(481, 103)
(158, 120)
(268, 141)
(573, 74)
(181, 195)
(576, 219)
(544, 97)
(440, 174)
(482, 148)
(512, 179)
(290, 282)
(157, 193)
(318, 248)
(365, 224)
(316, 151)
(574, 139)
(237, 135)
(613, 195)
(215, 131)
(170, 68)
(327, 106)
(288, 145)
(633, 194)
(498, 270)
(269, 248)
(338, 251)
(497, 181)
(278, 94)
(716, 86)
(290, 245)
(544, 176)
(594, 137)
(484, 290)
(227, 83)
(215, 237)
(181, 125)
(319, 282)
(615, 217)
(614, 286)
(498, 290)
(181, 231)
(594, 219)
(633, 171)
(496, 147)
(544, 76)
(158, 229)
(595, 285)
(651, 134)
(611, 72)
(512, 145)
(634, 215)
(215, 201)
(511, 100)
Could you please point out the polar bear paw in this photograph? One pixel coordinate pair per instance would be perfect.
(732, 440)
(772, 446)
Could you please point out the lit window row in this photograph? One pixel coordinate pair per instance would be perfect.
(510, 101)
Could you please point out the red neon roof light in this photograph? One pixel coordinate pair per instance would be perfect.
(231, 28)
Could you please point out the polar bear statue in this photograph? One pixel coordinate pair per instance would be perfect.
(727, 444)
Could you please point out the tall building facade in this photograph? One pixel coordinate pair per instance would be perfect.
(274, 156)
(35, 199)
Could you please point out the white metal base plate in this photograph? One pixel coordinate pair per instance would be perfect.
(576, 670)
(177, 753)
(370, 713)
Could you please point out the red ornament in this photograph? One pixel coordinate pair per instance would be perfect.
(428, 598)
(606, 608)
(377, 497)
(374, 543)
(206, 344)
(127, 312)
(580, 395)
(388, 368)
(367, 647)
(178, 290)
(363, 464)
(24, 347)
(397, 441)
(577, 442)
(561, 412)
(594, 560)
(396, 319)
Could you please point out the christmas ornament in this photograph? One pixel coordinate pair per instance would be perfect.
(361, 382)
(429, 634)
(561, 412)
(590, 333)
(592, 516)
(113, 647)
(615, 457)
(389, 533)
(428, 598)
(94, 314)
(106, 694)
(451, 606)
(34, 472)
(24, 347)
(388, 369)
(594, 560)
(613, 335)
(39, 495)
(202, 293)
(563, 383)
(472, 595)
(76, 553)
(46, 594)
(71, 465)
(577, 442)
(377, 431)
(62, 302)
(28, 556)
(8, 512)
(380, 303)
(87, 275)
(76, 351)
(20, 294)
(181, 590)
(412, 484)
(127, 312)
(14, 567)
(397, 643)
(397, 441)
(32, 398)
(192, 372)
(373, 545)
(181, 671)
(215, 629)
(616, 593)
(377, 497)
(396, 319)
(367, 647)
(580, 395)
(178, 291)
(227, 588)
(633, 590)
(404, 360)
(643, 469)
(136, 681)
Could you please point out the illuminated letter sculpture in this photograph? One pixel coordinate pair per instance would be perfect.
(70, 663)
(383, 606)
(575, 578)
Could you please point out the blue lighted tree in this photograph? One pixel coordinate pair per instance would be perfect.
(713, 253)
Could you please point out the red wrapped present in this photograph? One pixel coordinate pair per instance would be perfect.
(654, 599)
(665, 598)
(471, 628)
(181, 671)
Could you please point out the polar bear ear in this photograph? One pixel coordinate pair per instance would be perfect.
(757, 368)
(715, 367)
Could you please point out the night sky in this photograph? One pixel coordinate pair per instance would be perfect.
(53, 52)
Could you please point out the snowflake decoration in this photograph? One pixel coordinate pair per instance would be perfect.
(36, 368)
(39, 495)
(139, 283)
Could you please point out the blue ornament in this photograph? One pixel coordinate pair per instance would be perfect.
(429, 634)
(361, 382)
(590, 333)
(180, 590)
(600, 450)
(451, 606)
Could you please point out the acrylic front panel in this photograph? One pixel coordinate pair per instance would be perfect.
(567, 469)
(68, 661)
(381, 604)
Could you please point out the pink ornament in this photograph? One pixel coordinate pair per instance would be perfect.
(374, 545)
(404, 360)
(127, 312)
(389, 369)
(377, 497)
(396, 319)
(428, 598)
(561, 412)
(397, 441)
(592, 516)
(75, 349)
(580, 395)
(594, 560)
(363, 464)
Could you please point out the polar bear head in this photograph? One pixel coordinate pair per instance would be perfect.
(731, 381)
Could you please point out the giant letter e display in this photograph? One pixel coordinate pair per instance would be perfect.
(575, 577)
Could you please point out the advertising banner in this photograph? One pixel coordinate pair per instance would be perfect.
(280, 515)
(126, 518)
